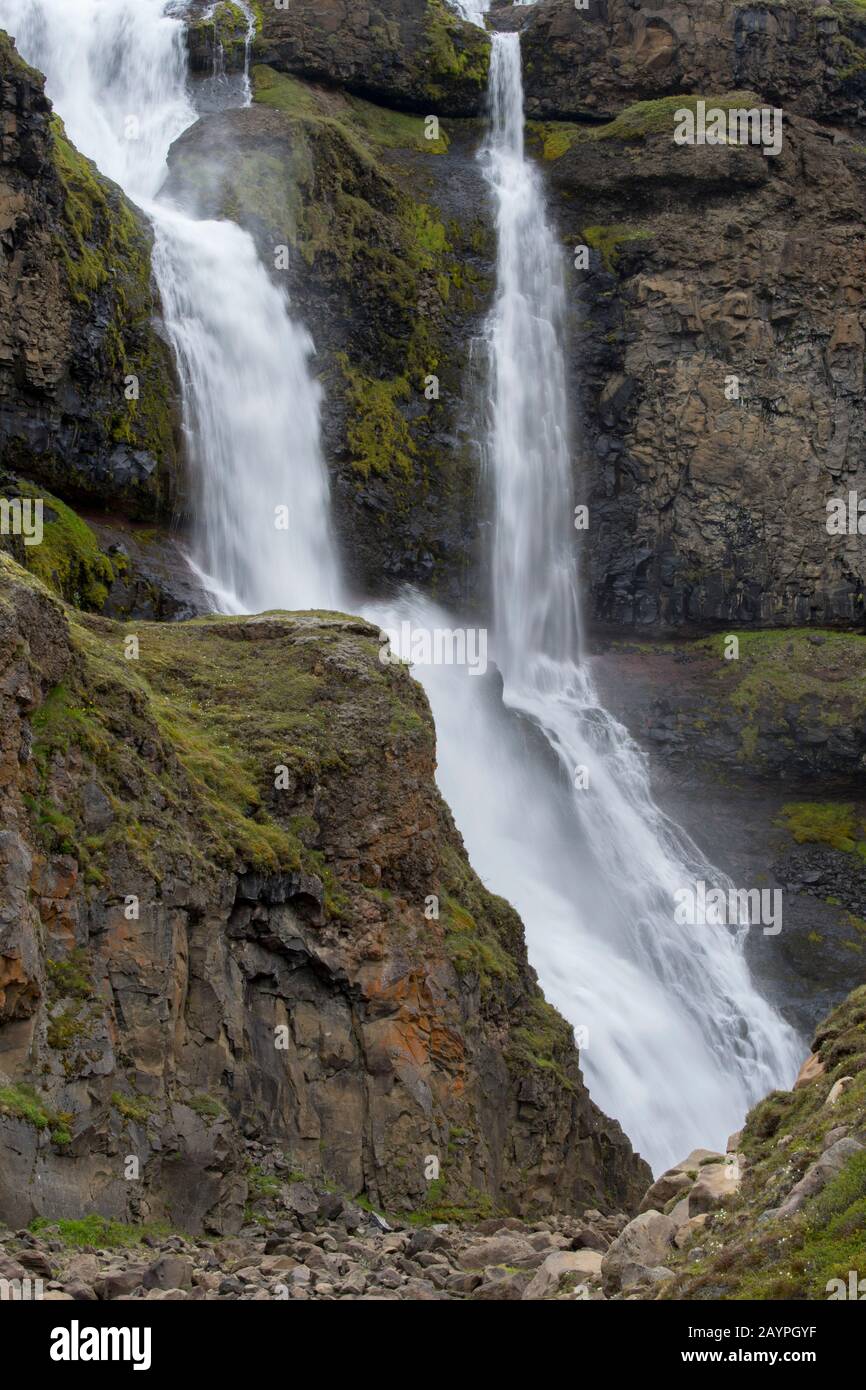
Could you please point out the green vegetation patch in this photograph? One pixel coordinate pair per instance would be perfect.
(229, 26)
(837, 824)
(542, 1040)
(781, 667)
(635, 122)
(377, 432)
(23, 1102)
(475, 950)
(364, 122)
(99, 1232)
(136, 1108)
(69, 560)
(609, 240)
(106, 254)
(456, 52)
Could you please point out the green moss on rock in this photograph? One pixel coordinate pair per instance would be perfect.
(68, 560)
(635, 122)
(456, 52)
(750, 1253)
(826, 823)
(23, 1102)
(609, 240)
(106, 252)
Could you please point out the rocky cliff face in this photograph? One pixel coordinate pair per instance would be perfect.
(719, 336)
(235, 907)
(76, 320)
(721, 360)
(590, 63)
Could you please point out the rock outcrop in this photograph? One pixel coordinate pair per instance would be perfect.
(87, 387)
(234, 907)
(588, 63)
(785, 706)
(382, 239)
(413, 54)
(720, 361)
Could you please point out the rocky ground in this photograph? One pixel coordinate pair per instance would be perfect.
(779, 1216)
(314, 1243)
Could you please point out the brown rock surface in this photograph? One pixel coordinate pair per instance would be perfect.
(226, 959)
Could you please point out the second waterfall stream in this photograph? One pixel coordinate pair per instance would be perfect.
(677, 1041)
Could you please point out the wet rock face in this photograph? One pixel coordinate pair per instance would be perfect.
(590, 63)
(76, 310)
(384, 242)
(411, 53)
(717, 349)
(232, 937)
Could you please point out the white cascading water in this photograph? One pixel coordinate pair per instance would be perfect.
(679, 1041)
(116, 71)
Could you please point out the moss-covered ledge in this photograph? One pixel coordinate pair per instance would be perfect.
(234, 834)
(416, 55)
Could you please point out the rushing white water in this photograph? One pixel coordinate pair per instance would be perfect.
(116, 71)
(472, 10)
(679, 1041)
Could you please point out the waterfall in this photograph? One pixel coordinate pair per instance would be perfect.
(676, 1042)
(116, 71)
(472, 10)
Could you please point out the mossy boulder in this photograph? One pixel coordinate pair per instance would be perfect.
(88, 401)
(375, 222)
(411, 54)
(217, 33)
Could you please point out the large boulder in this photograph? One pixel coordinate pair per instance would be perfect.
(716, 1185)
(645, 1244)
(578, 1266)
(816, 1177)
